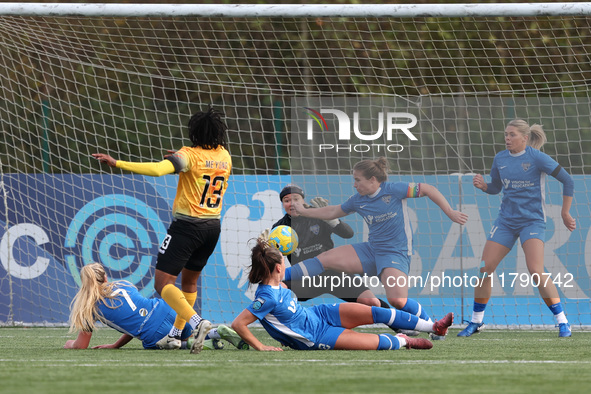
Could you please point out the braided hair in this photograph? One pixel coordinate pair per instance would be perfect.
(207, 130)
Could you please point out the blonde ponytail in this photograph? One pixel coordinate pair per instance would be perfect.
(536, 135)
(94, 289)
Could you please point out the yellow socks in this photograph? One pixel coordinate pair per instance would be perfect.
(178, 301)
(179, 322)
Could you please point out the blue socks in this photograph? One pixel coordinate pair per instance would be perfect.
(394, 318)
(310, 267)
(388, 342)
(414, 308)
(556, 308)
(558, 312)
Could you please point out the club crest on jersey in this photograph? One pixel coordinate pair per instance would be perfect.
(525, 166)
(258, 304)
(315, 229)
(386, 199)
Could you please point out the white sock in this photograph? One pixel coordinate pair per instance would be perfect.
(401, 341)
(195, 320)
(424, 326)
(477, 317)
(561, 318)
(175, 332)
(213, 334)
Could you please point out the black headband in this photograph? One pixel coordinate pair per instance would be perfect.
(290, 189)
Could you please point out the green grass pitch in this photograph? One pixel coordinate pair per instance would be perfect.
(32, 360)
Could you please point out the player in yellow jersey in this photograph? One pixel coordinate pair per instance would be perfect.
(204, 169)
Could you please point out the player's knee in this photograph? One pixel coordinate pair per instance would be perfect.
(397, 303)
(158, 287)
(486, 269)
(537, 273)
(372, 301)
(160, 281)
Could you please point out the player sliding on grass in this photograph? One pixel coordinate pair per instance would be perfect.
(387, 254)
(204, 169)
(520, 171)
(120, 306)
(321, 327)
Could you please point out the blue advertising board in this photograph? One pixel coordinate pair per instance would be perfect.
(52, 225)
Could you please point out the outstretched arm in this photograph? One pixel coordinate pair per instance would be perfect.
(338, 227)
(122, 341)
(435, 195)
(240, 325)
(163, 167)
(325, 213)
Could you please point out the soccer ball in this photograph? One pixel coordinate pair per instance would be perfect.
(284, 238)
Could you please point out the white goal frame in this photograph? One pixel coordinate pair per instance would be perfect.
(459, 10)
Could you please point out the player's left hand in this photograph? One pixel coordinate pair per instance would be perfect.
(109, 346)
(170, 153)
(458, 217)
(569, 221)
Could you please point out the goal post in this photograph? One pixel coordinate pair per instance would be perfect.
(307, 91)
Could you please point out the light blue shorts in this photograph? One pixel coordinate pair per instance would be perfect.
(506, 235)
(326, 338)
(374, 262)
(164, 329)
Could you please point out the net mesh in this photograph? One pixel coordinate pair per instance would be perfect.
(127, 86)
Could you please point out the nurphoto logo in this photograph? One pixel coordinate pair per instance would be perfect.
(351, 138)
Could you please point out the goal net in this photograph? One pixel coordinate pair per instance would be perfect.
(431, 93)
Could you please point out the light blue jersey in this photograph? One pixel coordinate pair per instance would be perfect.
(522, 178)
(147, 319)
(386, 215)
(291, 324)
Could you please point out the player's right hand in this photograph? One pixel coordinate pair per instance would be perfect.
(298, 206)
(479, 183)
(103, 158)
(267, 348)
